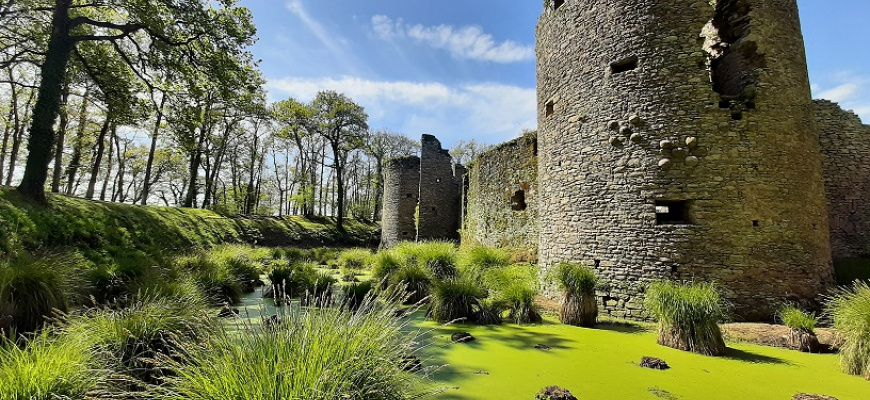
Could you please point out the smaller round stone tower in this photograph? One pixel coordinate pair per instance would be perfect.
(401, 195)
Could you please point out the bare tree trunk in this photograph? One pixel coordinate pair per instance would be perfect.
(16, 129)
(195, 161)
(98, 159)
(78, 146)
(8, 131)
(108, 175)
(57, 174)
(146, 188)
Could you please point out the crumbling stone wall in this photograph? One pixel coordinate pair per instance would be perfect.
(665, 154)
(401, 193)
(440, 192)
(501, 208)
(845, 143)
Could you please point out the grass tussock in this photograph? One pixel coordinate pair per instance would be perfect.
(456, 299)
(416, 280)
(579, 307)
(33, 289)
(48, 368)
(322, 353)
(150, 325)
(802, 327)
(850, 311)
(476, 261)
(438, 256)
(688, 316)
(385, 262)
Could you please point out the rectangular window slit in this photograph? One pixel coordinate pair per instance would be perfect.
(672, 212)
(624, 65)
(557, 4)
(550, 108)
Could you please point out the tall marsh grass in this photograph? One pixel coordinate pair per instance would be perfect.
(850, 310)
(319, 354)
(49, 368)
(33, 289)
(688, 316)
(579, 306)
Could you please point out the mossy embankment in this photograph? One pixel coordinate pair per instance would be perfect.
(100, 229)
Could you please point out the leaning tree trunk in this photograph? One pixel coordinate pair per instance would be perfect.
(53, 72)
(98, 159)
(107, 178)
(146, 185)
(78, 145)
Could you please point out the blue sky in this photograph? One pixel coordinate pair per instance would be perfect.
(462, 69)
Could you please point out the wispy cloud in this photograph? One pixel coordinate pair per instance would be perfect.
(850, 90)
(468, 42)
(330, 42)
(488, 111)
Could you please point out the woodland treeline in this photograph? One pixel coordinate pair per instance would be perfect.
(161, 102)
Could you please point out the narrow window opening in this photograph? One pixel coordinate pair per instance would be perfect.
(518, 201)
(404, 233)
(550, 108)
(756, 223)
(557, 4)
(438, 180)
(672, 212)
(736, 115)
(624, 65)
(724, 104)
(673, 269)
(535, 148)
(410, 195)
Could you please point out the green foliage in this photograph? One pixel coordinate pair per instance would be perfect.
(438, 256)
(48, 368)
(490, 311)
(294, 280)
(386, 262)
(323, 255)
(415, 279)
(519, 298)
(322, 354)
(148, 326)
(477, 260)
(213, 276)
(355, 259)
(454, 299)
(798, 320)
(33, 289)
(688, 315)
(576, 279)
(579, 306)
(850, 310)
(356, 294)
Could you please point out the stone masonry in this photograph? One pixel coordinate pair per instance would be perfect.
(401, 194)
(501, 208)
(677, 141)
(422, 196)
(845, 143)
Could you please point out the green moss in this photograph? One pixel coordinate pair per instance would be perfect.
(603, 364)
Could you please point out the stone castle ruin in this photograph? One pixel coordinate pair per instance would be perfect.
(677, 140)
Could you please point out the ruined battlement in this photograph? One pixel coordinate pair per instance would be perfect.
(422, 196)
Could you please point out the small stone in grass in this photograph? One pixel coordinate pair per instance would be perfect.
(542, 347)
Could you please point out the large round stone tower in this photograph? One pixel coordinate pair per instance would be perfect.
(677, 141)
(401, 194)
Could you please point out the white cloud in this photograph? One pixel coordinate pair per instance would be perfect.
(489, 112)
(298, 9)
(851, 91)
(469, 42)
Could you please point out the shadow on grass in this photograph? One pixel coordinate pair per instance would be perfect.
(745, 356)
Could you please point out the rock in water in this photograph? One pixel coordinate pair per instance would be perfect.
(555, 393)
(461, 337)
(807, 396)
(654, 363)
(228, 312)
(542, 347)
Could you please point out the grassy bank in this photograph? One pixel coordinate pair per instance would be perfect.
(99, 229)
